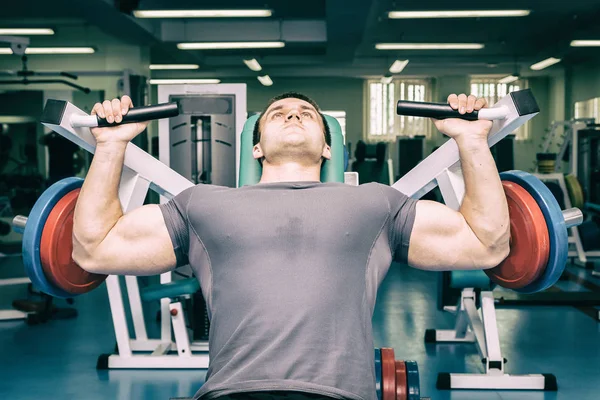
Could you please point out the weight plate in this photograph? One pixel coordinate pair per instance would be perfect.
(401, 385)
(575, 191)
(388, 374)
(557, 231)
(529, 241)
(412, 380)
(378, 373)
(33, 233)
(56, 247)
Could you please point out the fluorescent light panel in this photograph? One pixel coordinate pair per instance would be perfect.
(26, 31)
(386, 80)
(253, 65)
(545, 63)
(508, 79)
(398, 66)
(181, 81)
(585, 43)
(202, 13)
(429, 46)
(173, 66)
(265, 80)
(229, 45)
(52, 50)
(458, 14)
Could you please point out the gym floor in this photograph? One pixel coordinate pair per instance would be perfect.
(57, 360)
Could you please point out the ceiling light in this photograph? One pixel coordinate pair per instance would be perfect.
(229, 45)
(181, 81)
(52, 50)
(386, 80)
(429, 46)
(253, 65)
(265, 80)
(398, 66)
(26, 31)
(201, 13)
(509, 79)
(585, 43)
(458, 14)
(545, 63)
(173, 66)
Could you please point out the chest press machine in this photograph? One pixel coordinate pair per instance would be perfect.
(56, 276)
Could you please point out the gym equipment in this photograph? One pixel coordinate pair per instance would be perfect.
(32, 235)
(401, 383)
(530, 244)
(412, 380)
(556, 190)
(442, 168)
(557, 221)
(56, 247)
(575, 191)
(546, 162)
(388, 374)
(378, 373)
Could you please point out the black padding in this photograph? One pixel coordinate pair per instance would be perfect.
(525, 102)
(102, 362)
(432, 110)
(430, 336)
(53, 112)
(443, 381)
(550, 384)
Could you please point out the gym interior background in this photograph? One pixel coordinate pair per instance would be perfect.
(356, 59)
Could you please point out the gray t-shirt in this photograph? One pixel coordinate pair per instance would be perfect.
(290, 273)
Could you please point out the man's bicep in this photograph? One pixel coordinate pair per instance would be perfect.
(441, 239)
(139, 244)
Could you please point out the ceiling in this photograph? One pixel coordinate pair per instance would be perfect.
(328, 37)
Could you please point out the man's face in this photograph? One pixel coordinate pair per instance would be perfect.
(292, 130)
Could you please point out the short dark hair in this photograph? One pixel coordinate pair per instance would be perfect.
(293, 95)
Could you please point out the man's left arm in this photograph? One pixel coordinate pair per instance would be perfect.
(477, 235)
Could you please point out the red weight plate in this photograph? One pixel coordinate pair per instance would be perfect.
(401, 384)
(529, 241)
(388, 374)
(56, 247)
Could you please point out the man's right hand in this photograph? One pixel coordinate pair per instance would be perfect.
(113, 111)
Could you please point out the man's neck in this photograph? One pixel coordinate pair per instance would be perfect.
(289, 172)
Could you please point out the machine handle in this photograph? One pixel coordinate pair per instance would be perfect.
(443, 111)
(136, 114)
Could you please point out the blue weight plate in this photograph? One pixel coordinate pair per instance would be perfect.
(33, 232)
(559, 237)
(412, 380)
(378, 373)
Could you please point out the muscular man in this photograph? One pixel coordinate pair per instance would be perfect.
(290, 267)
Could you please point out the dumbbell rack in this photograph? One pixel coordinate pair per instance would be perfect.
(442, 168)
(141, 172)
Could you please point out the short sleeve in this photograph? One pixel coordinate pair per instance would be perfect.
(402, 218)
(176, 219)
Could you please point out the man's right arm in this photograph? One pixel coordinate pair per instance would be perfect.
(104, 239)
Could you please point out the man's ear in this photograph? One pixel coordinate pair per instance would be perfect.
(326, 152)
(257, 152)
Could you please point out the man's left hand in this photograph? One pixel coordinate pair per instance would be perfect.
(460, 129)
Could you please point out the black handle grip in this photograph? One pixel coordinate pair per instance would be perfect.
(145, 113)
(432, 110)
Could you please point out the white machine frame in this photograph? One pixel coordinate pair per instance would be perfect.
(442, 168)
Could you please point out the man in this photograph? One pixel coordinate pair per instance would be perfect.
(290, 267)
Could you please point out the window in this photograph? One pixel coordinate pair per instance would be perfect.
(341, 118)
(382, 123)
(588, 109)
(492, 91)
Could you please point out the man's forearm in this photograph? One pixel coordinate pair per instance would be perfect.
(484, 206)
(98, 208)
